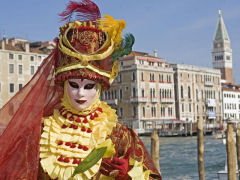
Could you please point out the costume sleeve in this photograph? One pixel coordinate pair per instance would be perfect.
(124, 138)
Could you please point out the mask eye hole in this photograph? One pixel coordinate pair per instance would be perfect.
(73, 85)
(89, 86)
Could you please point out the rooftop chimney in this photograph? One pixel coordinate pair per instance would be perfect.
(27, 47)
(155, 53)
(3, 44)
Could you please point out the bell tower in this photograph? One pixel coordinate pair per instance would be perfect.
(222, 52)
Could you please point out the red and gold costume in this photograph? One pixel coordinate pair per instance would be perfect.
(46, 137)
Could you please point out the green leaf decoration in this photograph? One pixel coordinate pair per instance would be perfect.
(90, 160)
(125, 47)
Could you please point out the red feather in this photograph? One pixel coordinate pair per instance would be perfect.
(86, 10)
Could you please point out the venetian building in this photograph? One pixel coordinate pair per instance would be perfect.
(222, 52)
(198, 95)
(19, 60)
(143, 93)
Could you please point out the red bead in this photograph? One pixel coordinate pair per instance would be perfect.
(79, 161)
(100, 109)
(64, 126)
(89, 130)
(95, 114)
(78, 120)
(65, 116)
(75, 127)
(80, 146)
(85, 120)
(66, 160)
(85, 148)
(71, 126)
(83, 129)
(60, 158)
(91, 117)
(71, 119)
(73, 146)
(68, 144)
(75, 161)
(60, 142)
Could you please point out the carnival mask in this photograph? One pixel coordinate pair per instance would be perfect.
(82, 92)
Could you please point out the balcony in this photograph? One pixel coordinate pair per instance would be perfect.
(111, 101)
(137, 99)
(167, 100)
(142, 99)
(154, 99)
(211, 114)
(208, 83)
(211, 102)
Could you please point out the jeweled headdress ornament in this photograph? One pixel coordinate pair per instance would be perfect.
(89, 45)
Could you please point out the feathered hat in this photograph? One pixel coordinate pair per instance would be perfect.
(89, 46)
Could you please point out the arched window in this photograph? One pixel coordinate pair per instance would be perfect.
(142, 92)
(189, 92)
(133, 76)
(142, 76)
(181, 91)
(196, 94)
(134, 92)
(143, 111)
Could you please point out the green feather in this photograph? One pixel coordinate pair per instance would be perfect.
(90, 160)
(125, 47)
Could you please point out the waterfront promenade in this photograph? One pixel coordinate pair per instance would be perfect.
(178, 157)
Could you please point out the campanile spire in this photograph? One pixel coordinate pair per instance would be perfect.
(222, 52)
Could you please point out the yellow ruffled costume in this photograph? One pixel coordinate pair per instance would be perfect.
(54, 141)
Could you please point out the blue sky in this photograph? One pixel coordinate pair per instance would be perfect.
(181, 30)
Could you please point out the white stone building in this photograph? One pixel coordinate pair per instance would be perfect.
(198, 94)
(19, 60)
(143, 93)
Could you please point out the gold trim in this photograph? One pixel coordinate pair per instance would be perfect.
(84, 57)
(81, 66)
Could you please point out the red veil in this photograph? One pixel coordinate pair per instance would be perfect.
(19, 143)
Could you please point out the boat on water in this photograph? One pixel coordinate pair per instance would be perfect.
(223, 174)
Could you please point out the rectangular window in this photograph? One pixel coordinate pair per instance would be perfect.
(31, 58)
(11, 88)
(19, 57)
(121, 112)
(11, 68)
(11, 56)
(20, 86)
(20, 69)
(134, 111)
(120, 94)
(32, 70)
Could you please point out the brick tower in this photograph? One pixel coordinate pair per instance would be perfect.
(222, 52)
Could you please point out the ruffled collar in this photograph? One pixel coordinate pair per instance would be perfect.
(68, 138)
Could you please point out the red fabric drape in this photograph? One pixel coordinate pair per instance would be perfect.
(19, 143)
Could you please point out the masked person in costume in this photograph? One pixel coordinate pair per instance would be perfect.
(58, 127)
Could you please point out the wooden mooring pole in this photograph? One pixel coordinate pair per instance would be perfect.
(238, 149)
(231, 152)
(201, 171)
(155, 148)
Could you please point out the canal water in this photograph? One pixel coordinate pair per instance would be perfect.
(178, 157)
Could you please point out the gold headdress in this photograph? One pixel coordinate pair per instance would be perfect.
(90, 46)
